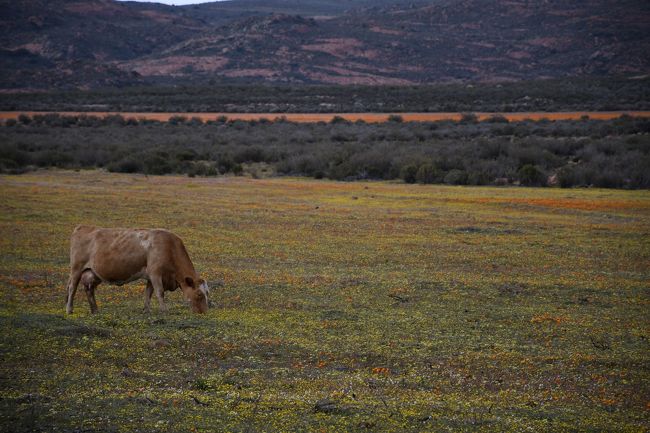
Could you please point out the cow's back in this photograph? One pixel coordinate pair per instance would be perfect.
(81, 242)
(115, 255)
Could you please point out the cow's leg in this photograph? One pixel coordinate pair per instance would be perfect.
(148, 292)
(73, 282)
(93, 307)
(90, 294)
(90, 281)
(159, 289)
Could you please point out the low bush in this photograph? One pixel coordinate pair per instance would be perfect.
(128, 165)
(588, 152)
(530, 175)
(456, 177)
(408, 173)
(427, 173)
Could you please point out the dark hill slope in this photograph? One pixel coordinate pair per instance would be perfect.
(105, 43)
(47, 43)
(444, 41)
(486, 39)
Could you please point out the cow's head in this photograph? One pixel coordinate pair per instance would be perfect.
(197, 293)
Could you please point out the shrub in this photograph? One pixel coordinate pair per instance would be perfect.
(10, 167)
(157, 164)
(530, 175)
(456, 177)
(301, 164)
(237, 169)
(88, 121)
(338, 119)
(528, 155)
(7, 165)
(375, 163)
(343, 170)
(468, 118)
(608, 179)
(129, 165)
(492, 149)
(249, 154)
(186, 155)
(497, 118)
(202, 169)
(17, 156)
(53, 158)
(427, 173)
(225, 164)
(114, 119)
(408, 173)
(639, 175)
(478, 178)
(566, 177)
(177, 120)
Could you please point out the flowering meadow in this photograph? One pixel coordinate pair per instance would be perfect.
(336, 307)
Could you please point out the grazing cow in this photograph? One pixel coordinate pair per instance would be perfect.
(119, 256)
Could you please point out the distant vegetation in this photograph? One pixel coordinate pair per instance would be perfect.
(571, 94)
(612, 154)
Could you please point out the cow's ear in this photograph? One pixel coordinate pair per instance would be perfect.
(189, 281)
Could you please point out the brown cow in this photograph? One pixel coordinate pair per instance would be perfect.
(119, 256)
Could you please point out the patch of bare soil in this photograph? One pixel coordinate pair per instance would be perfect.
(175, 65)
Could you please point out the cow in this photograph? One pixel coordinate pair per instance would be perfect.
(119, 256)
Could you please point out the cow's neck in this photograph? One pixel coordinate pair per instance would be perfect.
(187, 291)
(184, 267)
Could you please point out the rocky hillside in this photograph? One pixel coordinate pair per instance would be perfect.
(103, 43)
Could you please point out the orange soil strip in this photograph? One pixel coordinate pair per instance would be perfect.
(326, 117)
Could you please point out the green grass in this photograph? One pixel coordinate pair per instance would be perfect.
(337, 307)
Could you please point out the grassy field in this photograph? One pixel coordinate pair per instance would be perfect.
(337, 307)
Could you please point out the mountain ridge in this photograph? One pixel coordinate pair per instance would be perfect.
(103, 43)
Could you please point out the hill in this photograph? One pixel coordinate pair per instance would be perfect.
(103, 43)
